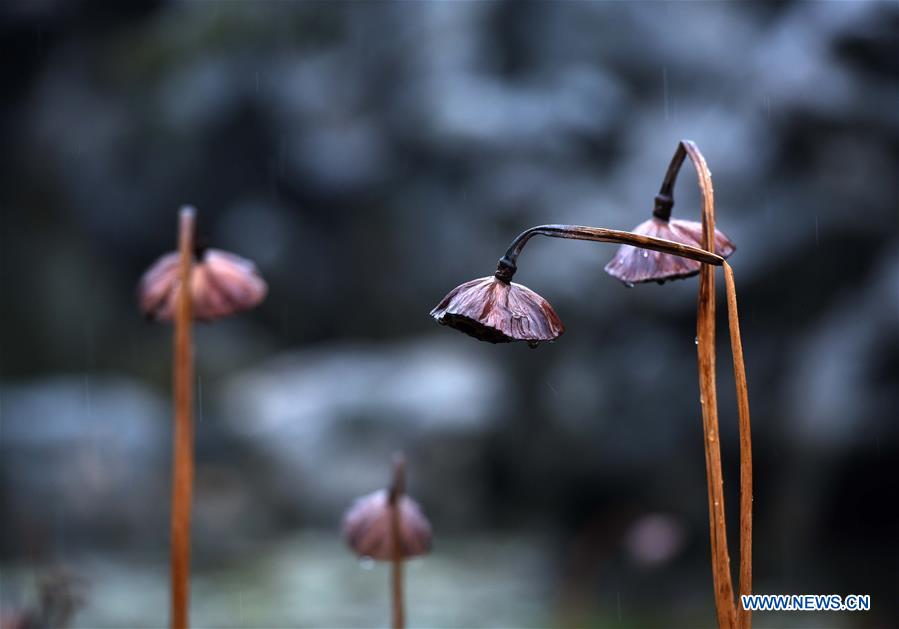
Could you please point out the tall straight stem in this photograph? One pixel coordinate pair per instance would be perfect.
(736, 345)
(399, 613)
(705, 334)
(396, 567)
(397, 487)
(183, 447)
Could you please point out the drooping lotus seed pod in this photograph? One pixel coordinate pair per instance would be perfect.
(367, 527)
(491, 309)
(633, 265)
(221, 283)
(389, 526)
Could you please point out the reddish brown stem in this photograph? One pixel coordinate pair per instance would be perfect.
(736, 345)
(399, 614)
(396, 564)
(183, 447)
(705, 334)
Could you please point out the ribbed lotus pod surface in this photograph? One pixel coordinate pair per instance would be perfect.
(632, 265)
(367, 527)
(222, 284)
(492, 310)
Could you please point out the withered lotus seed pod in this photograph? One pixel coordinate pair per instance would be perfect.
(633, 265)
(498, 311)
(367, 527)
(222, 284)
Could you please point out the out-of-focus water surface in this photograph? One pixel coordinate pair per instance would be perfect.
(370, 157)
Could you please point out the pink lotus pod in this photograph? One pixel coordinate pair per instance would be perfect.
(367, 527)
(493, 310)
(222, 284)
(632, 265)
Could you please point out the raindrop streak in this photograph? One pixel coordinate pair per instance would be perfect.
(551, 387)
(695, 340)
(89, 345)
(285, 320)
(618, 605)
(87, 396)
(199, 398)
(665, 89)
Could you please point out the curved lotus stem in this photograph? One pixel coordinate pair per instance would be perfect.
(664, 200)
(706, 336)
(507, 265)
(469, 317)
(705, 349)
(736, 347)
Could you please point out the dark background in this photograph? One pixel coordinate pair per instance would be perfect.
(370, 156)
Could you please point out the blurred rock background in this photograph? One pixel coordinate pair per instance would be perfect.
(370, 157)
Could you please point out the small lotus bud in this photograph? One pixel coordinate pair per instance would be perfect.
(633, 265)
(367, 527)
(497, 311)
(221, 284)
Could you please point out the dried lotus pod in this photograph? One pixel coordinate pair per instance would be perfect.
(367, 527)
(496, 310)
(633, 265)
(180, 287)
(491, 309)
(389, 526)
(221, 284)
(470, 306)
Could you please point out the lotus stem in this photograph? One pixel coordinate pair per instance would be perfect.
(183, 457)
(726, 609)
(664, 200)
(396, 565)
(508, 263)
(705, 335)
(736, 345)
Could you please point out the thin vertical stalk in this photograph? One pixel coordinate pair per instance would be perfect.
(183, 447)
(399, 614)
(396, 564)
(705, 335)
(736, 346)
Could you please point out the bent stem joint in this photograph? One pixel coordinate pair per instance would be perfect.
(727, 610)
(507, 265)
